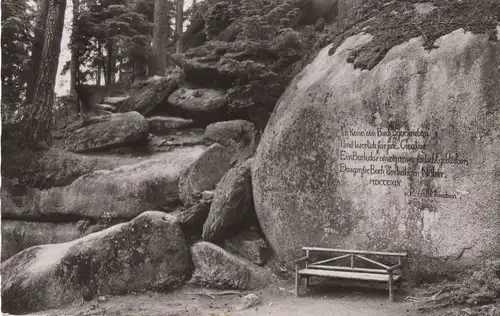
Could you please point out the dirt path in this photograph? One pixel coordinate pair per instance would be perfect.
(279, 301)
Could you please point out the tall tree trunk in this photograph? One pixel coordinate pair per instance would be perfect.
(179, 24)
(161, 34)
(100, 64)
(110, 67)
(39, 115)
(37, 47)
(75, 58)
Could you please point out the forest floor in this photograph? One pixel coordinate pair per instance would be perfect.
(276, 301)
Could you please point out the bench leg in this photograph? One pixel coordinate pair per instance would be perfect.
(391, 288)
(307, 281)
(297, 279)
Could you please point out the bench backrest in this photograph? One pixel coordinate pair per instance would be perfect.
(353, 255)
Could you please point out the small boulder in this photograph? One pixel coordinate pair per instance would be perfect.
(240, 136)
(152, 95)
(163, 125)
(216, 268)
(127, 129)
(148, 253)
(204, 105)
(248, 301)
(204, 173)
(232, 205)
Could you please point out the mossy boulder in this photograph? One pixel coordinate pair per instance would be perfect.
(121, 193)
(20, 235)
(240, 136)
(216, 268)
(154, 93)
(201, 105)
(204, 173)
(148, 253)
(111, 130)
(400, 156)
(232, 207)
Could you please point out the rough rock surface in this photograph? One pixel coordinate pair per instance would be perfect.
(192, 219)
(115, 129)
(161, 125)
(205, 105)
(148, 253)
(215, 268)
(249, 245)
(232, 204)
(20, 235)
(240, 136)
(219, 65)
(204, 173)
(152, 95)
(310, 189)
(122, 193)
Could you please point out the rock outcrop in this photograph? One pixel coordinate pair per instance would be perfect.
(111, 130)
(215, 268)
(152, 95)
(148, 253)
(204, 173)
(232, 207)
(403, 156)
(121, 193)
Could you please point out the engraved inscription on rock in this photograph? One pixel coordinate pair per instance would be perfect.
(396, 158)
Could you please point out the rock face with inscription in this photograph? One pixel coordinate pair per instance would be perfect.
(405, 156)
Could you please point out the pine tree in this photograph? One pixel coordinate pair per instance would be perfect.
(39, 113)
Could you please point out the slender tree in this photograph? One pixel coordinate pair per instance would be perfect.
(37, 48)
(39, 114)
(161, 35)
(179, 24)
(75, 56)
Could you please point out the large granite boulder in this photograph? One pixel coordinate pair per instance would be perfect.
(232, 207)
(152, 95)
(202, 105)
(204, 173)
(404, 156)
(20, 235)
(121, 193)
(148, 253)
(123, 129)
(216, 268)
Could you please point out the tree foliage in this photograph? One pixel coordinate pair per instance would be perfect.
(17, 34)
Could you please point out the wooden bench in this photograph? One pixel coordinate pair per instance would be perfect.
(324, 268)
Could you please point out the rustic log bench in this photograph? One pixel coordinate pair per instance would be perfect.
(323, 268)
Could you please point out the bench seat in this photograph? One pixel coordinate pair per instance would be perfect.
(345, 267)
(376, 277)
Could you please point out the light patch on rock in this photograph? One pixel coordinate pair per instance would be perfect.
(424, 7)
